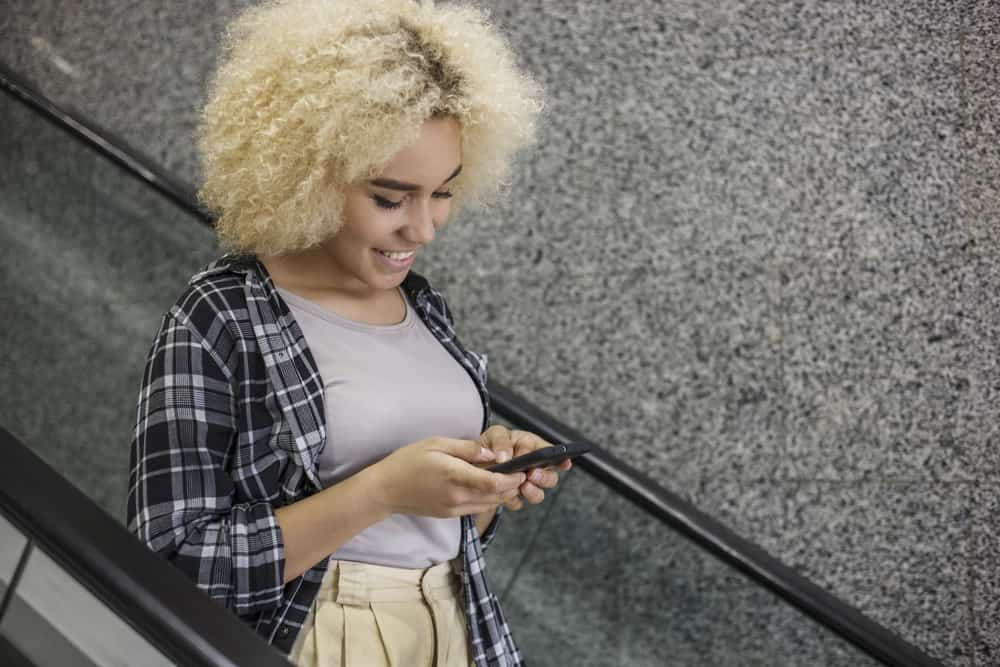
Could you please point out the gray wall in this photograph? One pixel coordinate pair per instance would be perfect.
(751, 254)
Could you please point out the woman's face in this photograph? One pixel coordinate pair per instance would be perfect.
(398, 212)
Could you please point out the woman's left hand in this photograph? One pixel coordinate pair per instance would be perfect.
(507, 444)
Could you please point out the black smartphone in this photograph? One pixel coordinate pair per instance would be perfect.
(541, 458)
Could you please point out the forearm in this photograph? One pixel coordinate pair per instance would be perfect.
(317, 526)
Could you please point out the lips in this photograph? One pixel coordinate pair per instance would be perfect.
(394, 264)
(398, 255)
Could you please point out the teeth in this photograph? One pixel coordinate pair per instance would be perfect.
(398, 256)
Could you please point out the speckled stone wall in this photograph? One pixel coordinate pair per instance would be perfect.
(751, 254)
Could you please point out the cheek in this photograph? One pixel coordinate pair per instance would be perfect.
(366, 228)
(443, 213)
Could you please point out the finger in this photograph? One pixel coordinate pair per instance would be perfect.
(562, 466)
(543, 478)
(525, 441)
(514, 504)
(507, 496)
(532, 493)
(509, 482)
(489, 484)
(467, 450)
(498, 439)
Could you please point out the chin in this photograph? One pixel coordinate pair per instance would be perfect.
(388, 281)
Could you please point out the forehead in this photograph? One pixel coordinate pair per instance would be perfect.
(433, 157)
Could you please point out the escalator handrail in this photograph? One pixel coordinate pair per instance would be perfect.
(745, 556)
(134, 582)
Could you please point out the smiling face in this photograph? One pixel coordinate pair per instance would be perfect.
(389, 218)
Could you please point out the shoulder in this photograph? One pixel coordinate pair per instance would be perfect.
(214, 303)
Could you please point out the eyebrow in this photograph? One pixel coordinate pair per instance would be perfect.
(406, 187)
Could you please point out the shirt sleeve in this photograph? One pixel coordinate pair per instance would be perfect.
(181, 498)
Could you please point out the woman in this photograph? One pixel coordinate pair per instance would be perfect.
(311, 435)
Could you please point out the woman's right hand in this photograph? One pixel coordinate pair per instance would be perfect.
(438, 477)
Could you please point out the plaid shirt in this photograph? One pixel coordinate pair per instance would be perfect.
(230, 425)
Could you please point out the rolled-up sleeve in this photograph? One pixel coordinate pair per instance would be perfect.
(182, 497)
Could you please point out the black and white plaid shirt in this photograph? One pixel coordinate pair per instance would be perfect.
(230, 426)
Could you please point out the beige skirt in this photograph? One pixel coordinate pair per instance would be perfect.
(375, 616)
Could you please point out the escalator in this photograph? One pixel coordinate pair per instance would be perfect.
(78, 590)
(611, 570)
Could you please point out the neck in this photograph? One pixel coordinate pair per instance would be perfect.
(314, 271)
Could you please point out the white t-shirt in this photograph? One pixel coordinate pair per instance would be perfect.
(387, 386)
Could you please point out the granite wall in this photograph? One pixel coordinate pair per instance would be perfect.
(751, 255)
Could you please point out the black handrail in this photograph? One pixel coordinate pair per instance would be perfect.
(133, 581)
(826, 609)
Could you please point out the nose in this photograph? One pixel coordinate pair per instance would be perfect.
(422, 227)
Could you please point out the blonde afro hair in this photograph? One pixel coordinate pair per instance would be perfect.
(314, 94)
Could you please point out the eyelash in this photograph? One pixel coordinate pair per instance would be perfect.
(382, 202)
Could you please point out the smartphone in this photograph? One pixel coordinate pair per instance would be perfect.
(541, 458)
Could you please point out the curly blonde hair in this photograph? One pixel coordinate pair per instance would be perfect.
(313, 94)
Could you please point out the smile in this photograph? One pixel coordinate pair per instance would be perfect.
(398, 256)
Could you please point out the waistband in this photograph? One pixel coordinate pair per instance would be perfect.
(352, 583)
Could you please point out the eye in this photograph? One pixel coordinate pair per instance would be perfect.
(382, 202)
(442, 195)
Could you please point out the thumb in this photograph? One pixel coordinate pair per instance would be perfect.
(467, 450)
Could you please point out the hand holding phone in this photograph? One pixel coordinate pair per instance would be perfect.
(542, 458)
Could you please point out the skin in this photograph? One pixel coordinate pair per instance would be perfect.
(438, 477)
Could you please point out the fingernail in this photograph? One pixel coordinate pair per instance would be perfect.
(536, 475)
(487, 454)
(503, 456)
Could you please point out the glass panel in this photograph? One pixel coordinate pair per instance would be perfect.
(76, 627)
(594, 580)
(12, 544)
(11, 657)
(90, 259)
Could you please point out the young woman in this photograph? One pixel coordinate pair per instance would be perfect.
(311, 434)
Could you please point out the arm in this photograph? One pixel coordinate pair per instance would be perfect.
(431, 477)
(316, 526)
(181, 500)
